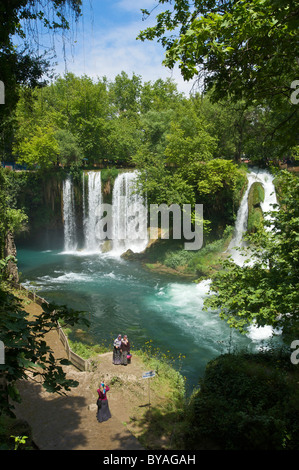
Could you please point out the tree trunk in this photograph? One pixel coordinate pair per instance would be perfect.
(10, 249)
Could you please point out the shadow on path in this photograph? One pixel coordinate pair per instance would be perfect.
(66, 422)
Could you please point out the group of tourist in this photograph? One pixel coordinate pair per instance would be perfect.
(121, 350)
(121, 355)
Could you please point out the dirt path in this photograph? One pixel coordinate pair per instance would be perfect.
(69, 422)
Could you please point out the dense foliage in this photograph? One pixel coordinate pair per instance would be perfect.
(22, 62)
(27, 355)
(241, 50)
(246, 402)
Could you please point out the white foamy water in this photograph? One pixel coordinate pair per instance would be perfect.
(69, 220)
(127, 225)
(129, 216)
(64, 278)
(92, 218)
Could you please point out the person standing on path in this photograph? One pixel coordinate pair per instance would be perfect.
(117, 350)
(125, 349)
(103, 413)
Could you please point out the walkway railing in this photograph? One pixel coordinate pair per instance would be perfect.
(75, 359)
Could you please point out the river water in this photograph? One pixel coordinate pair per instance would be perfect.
(122, 296)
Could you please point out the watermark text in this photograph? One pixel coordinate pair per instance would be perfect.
(186, 224)
(295, 94)
(295, 354)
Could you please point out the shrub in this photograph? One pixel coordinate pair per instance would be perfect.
(246, 402)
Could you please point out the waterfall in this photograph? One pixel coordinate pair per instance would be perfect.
(241, 224)
(69, 216)
(129, 216)
(91, 215)
(129, 213)
(266, 179)
(270, 199)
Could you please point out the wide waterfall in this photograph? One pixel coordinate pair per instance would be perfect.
(128, 215)
(69, 216)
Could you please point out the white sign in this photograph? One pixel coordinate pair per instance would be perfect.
(2, 353)
(148, 375)
(2, 93)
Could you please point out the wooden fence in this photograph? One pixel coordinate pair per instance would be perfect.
(77, 361)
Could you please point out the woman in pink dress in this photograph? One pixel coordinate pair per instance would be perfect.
(103, 413)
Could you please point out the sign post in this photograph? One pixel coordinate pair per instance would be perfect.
(2, 93)
(149, 375)
(2, 353)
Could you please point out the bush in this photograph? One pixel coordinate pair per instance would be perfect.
(177, 258)
(246, 402)
(199, 261)
(255, 214)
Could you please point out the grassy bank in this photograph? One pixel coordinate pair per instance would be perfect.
(171, 258)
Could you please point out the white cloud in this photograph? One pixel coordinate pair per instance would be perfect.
(106, 51)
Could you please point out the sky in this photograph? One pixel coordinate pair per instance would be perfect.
(103, 43)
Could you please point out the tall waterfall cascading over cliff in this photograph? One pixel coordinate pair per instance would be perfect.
(241, 224)
(69, 216)
(91, 215)
(270, 200)
(129, 216)
(266, 179)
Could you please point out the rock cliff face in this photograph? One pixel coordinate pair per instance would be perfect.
(10, 250)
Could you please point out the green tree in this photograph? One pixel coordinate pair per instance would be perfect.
(69, 152)
(27, 355)
(241, 50)
(233, 123)
(125, 93)
(72, 109)
(158, 96)
(22, 60)
(11, 219)
(189, 142)
(123, 139)
(40, 149)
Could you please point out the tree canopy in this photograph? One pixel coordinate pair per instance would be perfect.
(243, 50)
(23, 58)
